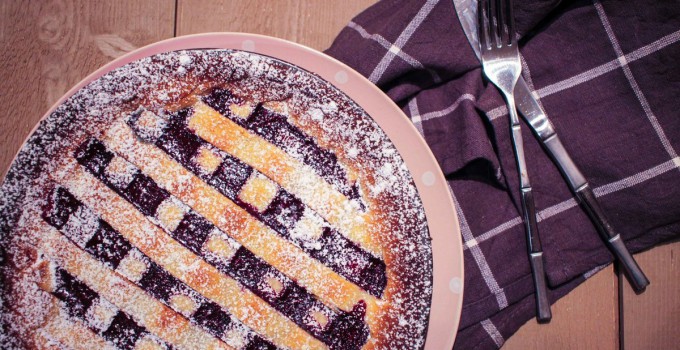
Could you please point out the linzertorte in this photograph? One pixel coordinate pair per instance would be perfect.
(212, 199)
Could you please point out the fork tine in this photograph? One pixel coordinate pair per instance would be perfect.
(504, 22)
(510, 23)
(501, 7)
(494, 23)
(483, 25)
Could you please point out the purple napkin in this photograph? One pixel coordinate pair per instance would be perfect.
(608, 76)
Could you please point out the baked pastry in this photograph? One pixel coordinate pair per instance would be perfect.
(212, 199)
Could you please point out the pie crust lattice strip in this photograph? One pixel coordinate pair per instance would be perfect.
(212, 199)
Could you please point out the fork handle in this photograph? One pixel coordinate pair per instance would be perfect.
(591, 206)
(631, 269)
(534, 248)
(543, 313)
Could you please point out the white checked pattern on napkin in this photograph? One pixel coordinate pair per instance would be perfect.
(388, 47)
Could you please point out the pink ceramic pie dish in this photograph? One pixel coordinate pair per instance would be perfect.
(434, 193)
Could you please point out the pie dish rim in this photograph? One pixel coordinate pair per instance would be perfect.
(442, 219)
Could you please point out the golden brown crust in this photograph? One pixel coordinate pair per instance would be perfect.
(388, 222)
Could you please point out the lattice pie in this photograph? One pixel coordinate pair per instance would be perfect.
(212, 199)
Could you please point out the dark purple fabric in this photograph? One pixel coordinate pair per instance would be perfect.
(608, 76)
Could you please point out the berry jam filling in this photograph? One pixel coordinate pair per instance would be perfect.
(94, 156)
(144, 192)
(77, 296)
(346, 332)
(59, 208)
(159, 283)
(176, 140)
(230, 176)
(292, 300)
(295, 302)
(212, 317)
(192, 231)
(122, 331)
(336, 251)
(282, 213)
(318, 136)
(275, 128)
(110, 247)
(258, 343)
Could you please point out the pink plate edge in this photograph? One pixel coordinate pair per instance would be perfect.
(447, 247)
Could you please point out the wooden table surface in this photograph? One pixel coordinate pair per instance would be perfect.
(50, 45)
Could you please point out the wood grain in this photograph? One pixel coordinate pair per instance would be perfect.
(311, 23)
(587, 318)
(652, 320)
(48, 46)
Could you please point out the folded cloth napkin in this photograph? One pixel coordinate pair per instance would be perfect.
(608, 76)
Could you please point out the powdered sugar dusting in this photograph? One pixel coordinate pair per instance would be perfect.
(393, 215)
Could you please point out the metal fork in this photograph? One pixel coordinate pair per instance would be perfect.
(501, 65)
(545, 132)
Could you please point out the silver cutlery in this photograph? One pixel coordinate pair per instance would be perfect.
(544, 131)
(501, 65)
